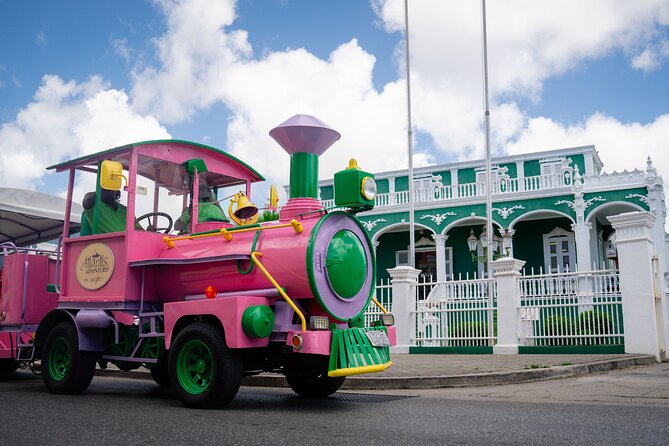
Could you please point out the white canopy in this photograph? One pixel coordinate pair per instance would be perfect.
(28, 217)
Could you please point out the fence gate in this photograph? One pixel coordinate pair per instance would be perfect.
(455, 317)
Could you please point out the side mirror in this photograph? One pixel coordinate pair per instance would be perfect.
(111, 173)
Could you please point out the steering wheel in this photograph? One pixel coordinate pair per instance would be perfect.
(150, 226)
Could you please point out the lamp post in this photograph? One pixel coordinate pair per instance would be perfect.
(487, 241)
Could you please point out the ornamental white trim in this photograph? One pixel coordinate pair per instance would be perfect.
(369, 225)
(642, 198)
(438, 219)
(589, 202)
(505, 212)
(571, 204)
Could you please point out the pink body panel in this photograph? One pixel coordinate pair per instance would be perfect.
(40, 272)
(392, 335)
(283, 255)
(314, 342)
(228, 310)
(117, 287)
(8, 343)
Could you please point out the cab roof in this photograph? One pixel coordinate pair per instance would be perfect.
(207, 152)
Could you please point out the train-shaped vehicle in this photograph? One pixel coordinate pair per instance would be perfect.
(215, 302)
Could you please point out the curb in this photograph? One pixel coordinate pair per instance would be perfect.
(434, 382)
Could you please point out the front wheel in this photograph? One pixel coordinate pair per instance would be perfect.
(66, 369)
(313, 382)
(8, 365)
(204, 373)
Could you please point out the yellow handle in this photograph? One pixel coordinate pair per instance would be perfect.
(378, 304)
(254, 257)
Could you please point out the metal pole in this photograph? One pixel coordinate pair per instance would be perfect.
(412, 238)
(488, 168)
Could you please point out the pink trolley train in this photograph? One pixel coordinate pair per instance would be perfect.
(160, 277)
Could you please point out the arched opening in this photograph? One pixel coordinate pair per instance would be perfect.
(545, 241)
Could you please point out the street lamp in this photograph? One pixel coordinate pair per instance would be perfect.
(473, 242)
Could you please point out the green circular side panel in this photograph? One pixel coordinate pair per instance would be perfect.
(346, 264)
(258, 321)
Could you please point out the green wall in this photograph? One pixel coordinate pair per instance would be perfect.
(513, 169)
(532, 167)
(462, 260)
(382, 186)
(327, 192)
(401, 184)
(445, 177)
(466, 176)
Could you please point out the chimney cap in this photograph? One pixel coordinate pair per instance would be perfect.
(304, 133)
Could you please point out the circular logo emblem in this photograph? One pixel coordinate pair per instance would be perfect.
(95, 266)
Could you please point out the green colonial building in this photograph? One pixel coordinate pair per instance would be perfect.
(549, 209)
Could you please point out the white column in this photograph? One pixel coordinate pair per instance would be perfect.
(440, 241)
(641, 300)
(658, 208)
(582, 238)
(403, 282)
(520, 173)
(581, 228)
(391, 191)
(507, 271)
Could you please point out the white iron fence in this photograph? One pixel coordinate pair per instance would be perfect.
(568, 309)
(454, 314)
(571, 309)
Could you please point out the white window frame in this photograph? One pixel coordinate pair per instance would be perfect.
(559, 235)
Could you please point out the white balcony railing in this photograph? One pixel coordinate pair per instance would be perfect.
(469, 190)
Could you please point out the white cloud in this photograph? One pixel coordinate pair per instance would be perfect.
(201, 63)
(622, 146)
(66, 120)
(528, 42)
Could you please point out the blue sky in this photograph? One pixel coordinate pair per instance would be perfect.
(79, 76)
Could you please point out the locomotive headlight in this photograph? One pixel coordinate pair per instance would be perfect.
(368, 188)
(319, 323)
(387, 319)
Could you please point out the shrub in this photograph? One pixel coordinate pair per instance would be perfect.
(594, 322)
(462, 333)
(558, 326)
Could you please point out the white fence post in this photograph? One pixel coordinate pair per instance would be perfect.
(641, 298)
(507, 271)
(403, 281)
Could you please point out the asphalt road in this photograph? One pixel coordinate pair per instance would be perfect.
(623, 407)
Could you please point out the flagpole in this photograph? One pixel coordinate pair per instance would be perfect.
(488, 167)
(412, 238)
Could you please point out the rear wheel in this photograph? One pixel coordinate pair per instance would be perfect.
(204, 373)
(313, 382)
(66, 369)
(160, 373)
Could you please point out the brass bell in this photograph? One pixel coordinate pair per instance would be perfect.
(245, 209)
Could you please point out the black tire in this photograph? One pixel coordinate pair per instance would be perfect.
(313, 382)
(66, 369)
(204, 372)
(161, 373)
(8, 365)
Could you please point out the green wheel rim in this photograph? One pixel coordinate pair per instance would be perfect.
(60, 359)
(195, 367)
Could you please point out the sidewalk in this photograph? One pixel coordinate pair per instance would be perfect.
(418, 371)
